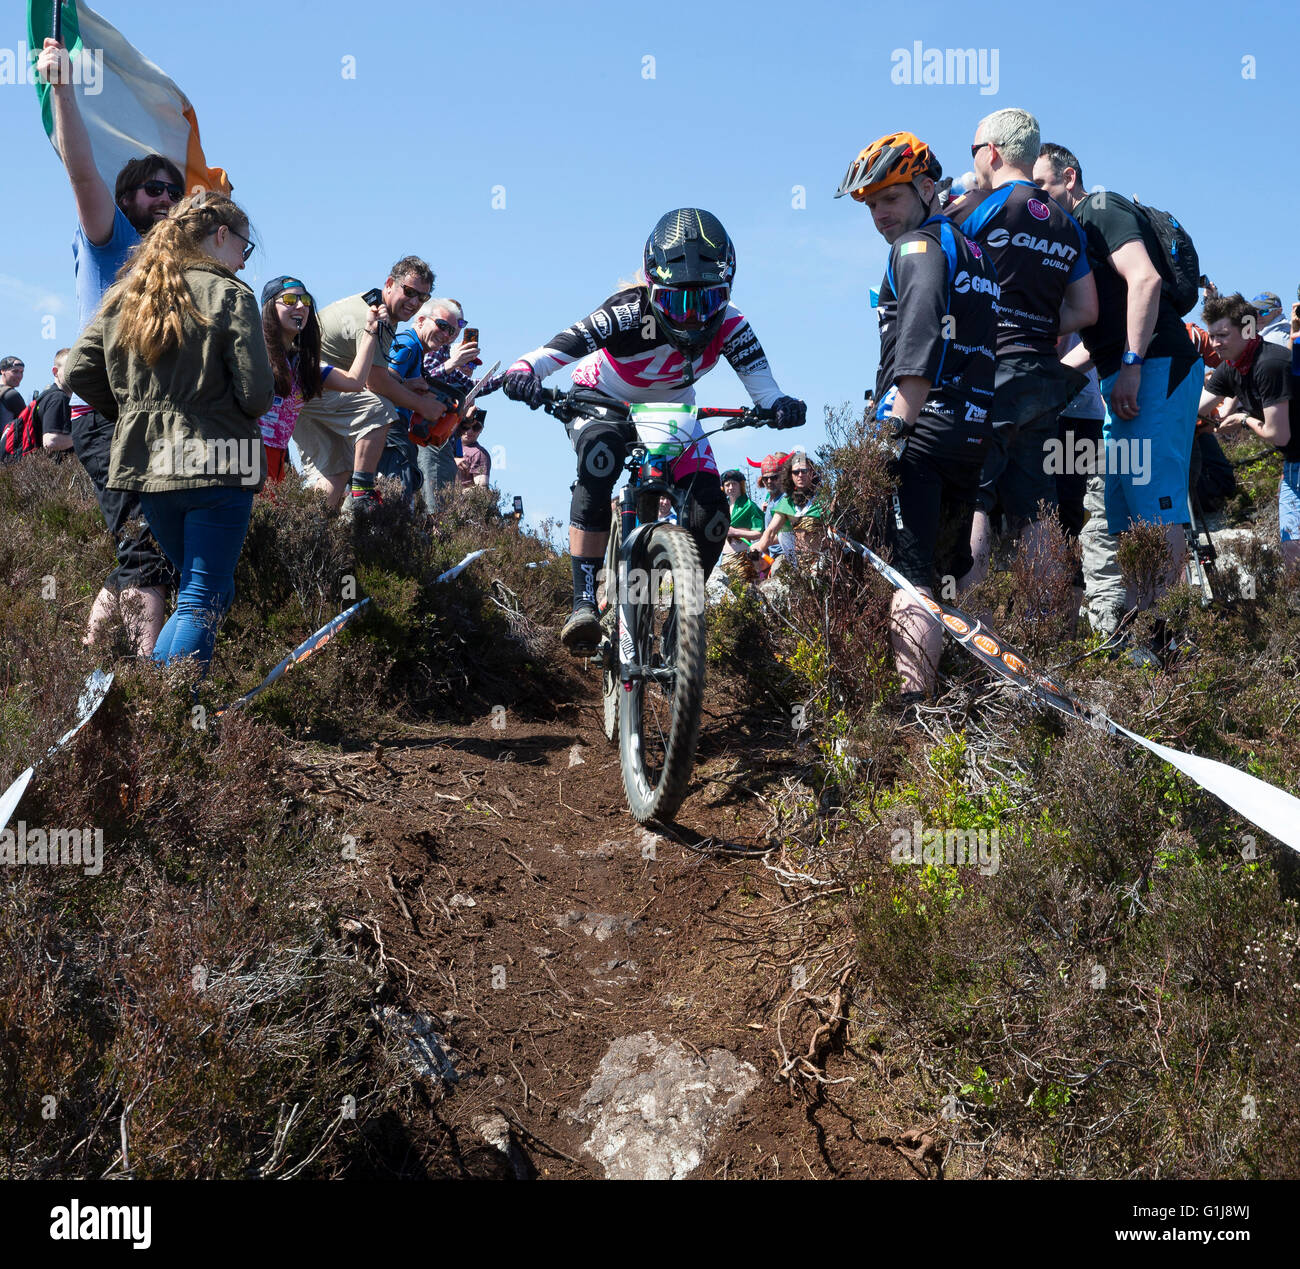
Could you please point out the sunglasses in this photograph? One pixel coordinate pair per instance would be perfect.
(154, 188)
(412, 294)
(248, 242)
(443, 325)
(801, 471)
(975, 149)
(292, 301)
(473, 427)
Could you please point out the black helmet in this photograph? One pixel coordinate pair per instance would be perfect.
(689, 267)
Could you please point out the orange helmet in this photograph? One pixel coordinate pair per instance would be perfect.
(894, 159)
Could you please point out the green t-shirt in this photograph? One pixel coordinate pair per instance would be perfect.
(783, 506)
(746, 514)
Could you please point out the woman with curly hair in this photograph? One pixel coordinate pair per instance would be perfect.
(176, 356)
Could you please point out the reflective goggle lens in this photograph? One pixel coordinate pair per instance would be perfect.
(690, 304)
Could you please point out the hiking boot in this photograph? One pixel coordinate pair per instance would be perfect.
(365, 503)
(581, 633)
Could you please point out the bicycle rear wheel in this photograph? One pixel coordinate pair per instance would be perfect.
(659, 712)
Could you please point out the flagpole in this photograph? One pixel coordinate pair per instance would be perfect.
(58, 20)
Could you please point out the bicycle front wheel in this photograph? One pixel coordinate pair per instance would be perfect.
(659, 710)
(609, 684)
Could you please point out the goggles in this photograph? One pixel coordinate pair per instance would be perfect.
(689, 306)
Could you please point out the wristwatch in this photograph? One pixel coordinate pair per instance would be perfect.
(1132, 359)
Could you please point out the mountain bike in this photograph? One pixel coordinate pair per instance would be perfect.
(651, 598)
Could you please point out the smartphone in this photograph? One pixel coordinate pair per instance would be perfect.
(373, 296)
(519, 505)
(471, 335)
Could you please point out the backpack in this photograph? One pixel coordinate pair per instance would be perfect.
(1177, 262)
(22, 434)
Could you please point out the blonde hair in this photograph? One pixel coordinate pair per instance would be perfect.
(150, 294)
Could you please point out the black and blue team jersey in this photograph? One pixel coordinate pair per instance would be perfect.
(938, 321)
(1038, 249)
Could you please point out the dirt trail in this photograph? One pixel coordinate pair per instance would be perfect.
(538, 925)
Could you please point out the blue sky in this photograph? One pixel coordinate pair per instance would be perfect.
(342, 176)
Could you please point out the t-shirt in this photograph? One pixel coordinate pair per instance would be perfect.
(406, 361)
(783, 506)
(477, 462)
(95, 268)
(11, 404)
(1037, 248)
(1267, 379)
(53, 411)
(342, 326)
(935, 273)
(279, 421)
(746, 514)
(1109, 221)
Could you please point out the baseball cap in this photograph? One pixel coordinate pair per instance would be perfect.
(1265, 301)
(283, 283)
(8, 363)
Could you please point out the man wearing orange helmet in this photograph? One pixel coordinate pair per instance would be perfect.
(938, 328)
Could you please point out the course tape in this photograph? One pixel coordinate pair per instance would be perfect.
(1272, 809)
(91, 698)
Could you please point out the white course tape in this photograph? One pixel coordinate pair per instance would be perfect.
(91, 698)
(1264, 805)
(458, 569)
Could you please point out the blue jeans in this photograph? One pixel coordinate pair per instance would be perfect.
(202, 532)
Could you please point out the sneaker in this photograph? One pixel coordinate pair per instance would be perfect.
(581, 632)
(364, 503)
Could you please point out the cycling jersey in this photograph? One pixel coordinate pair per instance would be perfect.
(1037, 248)
(622, 351)
(938, 322)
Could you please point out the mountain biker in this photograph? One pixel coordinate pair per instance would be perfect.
(938, 327)
(650, 342)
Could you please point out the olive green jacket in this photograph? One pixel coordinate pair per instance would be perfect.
(191, 420)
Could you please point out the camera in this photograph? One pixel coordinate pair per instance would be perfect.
(372, 297)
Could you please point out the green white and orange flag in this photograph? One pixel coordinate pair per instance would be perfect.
(131, 107)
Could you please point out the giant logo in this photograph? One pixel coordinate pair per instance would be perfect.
(964, 282)
(1000, 238)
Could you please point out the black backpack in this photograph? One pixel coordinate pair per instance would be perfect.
(1177, 262)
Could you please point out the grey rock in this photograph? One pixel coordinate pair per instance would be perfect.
(654, 1108)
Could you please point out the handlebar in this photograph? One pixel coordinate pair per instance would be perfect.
(566, 406)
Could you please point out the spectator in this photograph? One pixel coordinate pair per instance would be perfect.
(1080, 495)
(292, 332)
(747, 519)
(177, 359)
(11, 400)
(795, 513)
(1274, 325)
(1041, 262)
(109, 225)
(420, 357)
(55, 410)
(474, 467)
(1150, 372)
(1257, 372)
(341, 435)
(933, 393)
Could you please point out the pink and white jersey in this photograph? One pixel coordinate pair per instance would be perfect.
(621, 351)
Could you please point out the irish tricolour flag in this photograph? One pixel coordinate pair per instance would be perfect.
(131, 107)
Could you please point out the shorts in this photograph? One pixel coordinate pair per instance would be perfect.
(1029, 392)
(140, 560)
(1148, 458)
(327, 439)
(1288, 502)
(936, 504)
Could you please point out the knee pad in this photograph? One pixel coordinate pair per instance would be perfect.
(600, 458)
